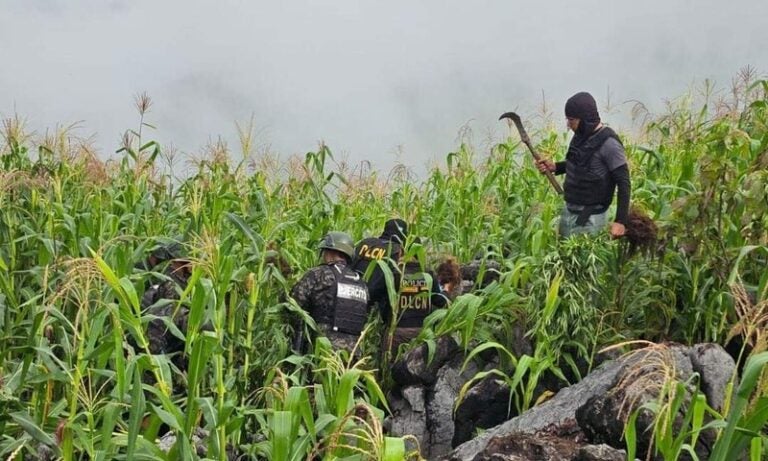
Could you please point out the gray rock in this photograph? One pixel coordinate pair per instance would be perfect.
(471, 273)
(485, 405)
(682, 362)
(440, 402)
(602, 418)
(559, 410)
(524, 447)
(415, 397)
(597, 407)
(716, 368)
(600, 453)
(416, 368)
(166, 442)
(409, 415)
(45, 453)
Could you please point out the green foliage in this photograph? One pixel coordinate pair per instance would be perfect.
(335, 416)
(76, 372)
(746, 419)
(672, 434)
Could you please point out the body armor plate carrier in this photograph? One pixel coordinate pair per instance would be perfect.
(351, 310)
(415, 300)
(582, 185)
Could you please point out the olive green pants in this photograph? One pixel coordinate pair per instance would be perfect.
(339, 340)
(568, 226)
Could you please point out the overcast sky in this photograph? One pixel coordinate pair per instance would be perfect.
(371, 78)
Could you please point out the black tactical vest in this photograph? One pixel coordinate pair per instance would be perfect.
(351, 308)
(415, 300)
(582, 185)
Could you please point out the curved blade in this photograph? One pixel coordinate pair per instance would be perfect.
(515, 118)
(519, 124)
(527, 141)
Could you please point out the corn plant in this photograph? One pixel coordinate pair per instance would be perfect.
(77, 376)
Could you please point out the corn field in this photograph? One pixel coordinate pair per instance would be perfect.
(78, 380)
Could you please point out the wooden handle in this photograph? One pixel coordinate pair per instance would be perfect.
(527, 141)
(537, 157)
(554, 182)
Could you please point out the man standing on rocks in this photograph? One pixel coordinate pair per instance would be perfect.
(594, 167)
(334, 295)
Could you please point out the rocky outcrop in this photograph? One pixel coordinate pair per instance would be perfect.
(599, 453)
(409, 415)
(424, 404)
(586, 421)
(716, 368)
(560, 411)
(521, 446)
(527, 447)
(416, 367)
(485, 405)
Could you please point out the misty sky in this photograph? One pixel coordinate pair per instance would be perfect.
(371, 78)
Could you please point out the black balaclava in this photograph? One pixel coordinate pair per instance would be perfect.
(395, 229)
(583, 107)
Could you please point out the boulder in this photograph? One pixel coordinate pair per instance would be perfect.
(409, 415)
(716, 368)
(166, 442)
(44, 453)
(559, 411)
(600, 453)
(486, 404)
(519, 446)
(603, 417)
(545, 445)
(440, 405)
(591, 414)
(415, 368)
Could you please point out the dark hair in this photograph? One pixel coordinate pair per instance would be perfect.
(448, 272)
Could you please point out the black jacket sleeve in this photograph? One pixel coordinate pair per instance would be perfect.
(623, 186)
(560, 168)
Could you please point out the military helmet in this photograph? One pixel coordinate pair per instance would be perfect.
(338, 241)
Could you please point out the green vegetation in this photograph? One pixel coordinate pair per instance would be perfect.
(77, 376)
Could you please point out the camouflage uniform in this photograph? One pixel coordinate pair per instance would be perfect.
(316, 294)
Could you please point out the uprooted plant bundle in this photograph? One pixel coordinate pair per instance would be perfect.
(80, 378)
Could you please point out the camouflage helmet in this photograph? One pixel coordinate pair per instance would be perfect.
(338, 241)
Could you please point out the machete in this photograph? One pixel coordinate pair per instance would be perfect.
(527, 141)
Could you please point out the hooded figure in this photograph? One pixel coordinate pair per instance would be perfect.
(582, 106)
(395, 230)
(595, 168)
